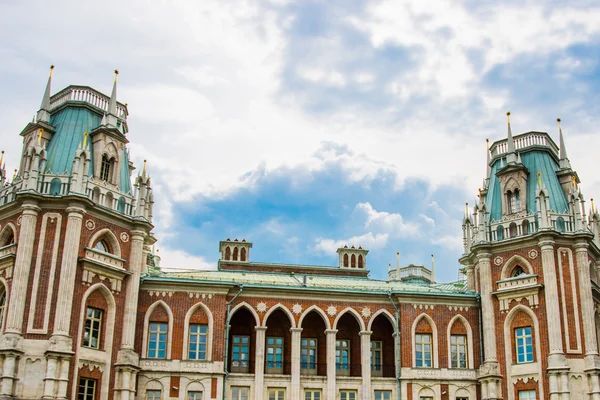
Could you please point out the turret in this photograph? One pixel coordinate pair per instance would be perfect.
(467, 228)
(595, 224)
(111, 120)
(352, 257)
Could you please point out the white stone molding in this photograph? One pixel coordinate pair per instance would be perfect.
(357, 316)
(249, 308)
(163, 294)
(428, 391)
(110, 237)
(319, 311)
(517, 289)
(498, 260)
(297, 308)
(158, 303)
(365, 312)
(186, 329)
(533, 253)
(198, 295)
(261, 307)
(194, 385)
(48, 218)
(387, 314)
(105, 266)
(434, 340)
(90, 224)
(124, 237)
(6, 300)
(283, 308)
(84, 354)
(508, 349)
(512, 262)
(91, 365)
(470, 349)
(574, 298)
(423, 306)
(154, 384)
(332, 310)
(459, 308)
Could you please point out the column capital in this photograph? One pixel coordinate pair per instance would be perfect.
(295, 330)
(581, 247)
(137, 235)
(30, 208)
(76, 210)
(483, 257)
(365, 333)
(546, 243)
(260, 328)
(331, 331)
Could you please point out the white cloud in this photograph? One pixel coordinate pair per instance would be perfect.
(178, 259)
(368, 241)
(383, 221)
(316, 75)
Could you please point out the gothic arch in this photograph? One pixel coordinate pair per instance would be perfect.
(186, 328)
(8, 231)
(361, 322)
(4, 290)
(434, 339)
(158, 303)
(512, 262)
(247, 306)
(508, 346)
(318, 311)
(470, 358)
(387, 314)
(110, 237)
(154, 384)
(283, 308)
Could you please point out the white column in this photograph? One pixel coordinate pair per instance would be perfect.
(551, 300)
(51, 377)
(365, 360)
(259, 362)
(487, 307)
(136, 266)
(587, 301)
(63, 379)
(8, 376)
(16, 304)
(126, 384)
(553, 384)
(296, 340)
(68, 269)
(564, 386)
(595, 386)
(331, 384)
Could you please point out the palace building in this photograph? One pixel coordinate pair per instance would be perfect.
(86, 313)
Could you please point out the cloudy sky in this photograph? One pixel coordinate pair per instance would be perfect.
(302, 126)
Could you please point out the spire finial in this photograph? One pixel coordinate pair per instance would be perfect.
(51, 69)
(144, 171)
(1, 158)
(574, 181)
(44, 115)
(15, 175)
(116, 74)
(592, 200)
(510, 145)
(432, 269)
(111, 119)
(41, 132)
(85, 136)
(467, 209)
(508, 116)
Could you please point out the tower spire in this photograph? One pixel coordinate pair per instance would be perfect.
(43, 115)
(511, 157)
(111, 119)
(488, 168)
(432, 269)
(564, 160)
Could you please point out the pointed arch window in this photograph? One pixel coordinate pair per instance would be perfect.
(106, 168)
(102, 245)
(517, 271)
(2, 308)
(10, 239)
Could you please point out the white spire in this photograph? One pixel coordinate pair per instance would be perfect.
(564, 160)
(511, 157)
(111, 120)
(43, 115)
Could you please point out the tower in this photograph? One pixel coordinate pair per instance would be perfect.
(74, 234)
(531, 256)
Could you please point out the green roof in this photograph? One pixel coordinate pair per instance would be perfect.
(535, 161)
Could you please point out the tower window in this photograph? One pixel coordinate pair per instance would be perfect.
(514, 201)
(106, 168)
(517, 271)
(2, 308)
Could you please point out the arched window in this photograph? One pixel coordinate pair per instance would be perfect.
(525, 227)
(227, 253)
(512, 230)
(108, 199)
(102, 245)
(516, 201)
(106, 168)
(360, 261)
(560, 224)
(235, 254)
(517, 271)
(500, 232)
(353, 261)
(2, 307)
(10, 239)
(509, 201)
(243, 254)
(346, 260)
(7, 236)
(55, 187)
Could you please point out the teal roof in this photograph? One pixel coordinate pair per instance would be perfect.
(124, 178)
(535, 161)
(70, 124)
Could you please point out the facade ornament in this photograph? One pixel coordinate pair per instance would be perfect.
(124, 237)
(331, 310)
(532, 254)
(297, 308)
(19, 220)
(498, 260)
(90, 225)
(366, 312)
(261, 307)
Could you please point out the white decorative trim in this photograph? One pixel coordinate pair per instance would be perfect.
(19, 220)
(261, 307)
(357, 316)
(331, 310)
(158, 303)
(498, 260)
(54, 218)
(319, 311)
(366, 312)
(563, 291)
(434, 335)
(470, 349)
(423, 306)
(377, 313)
(6, 300)
(198, 295)
(249, 308)
(90, 224)
(112, 239)
(162, 294)
(186, 329)
(458, 308)
(511, 262)
(92, 365)
(533, 254)
(297, 309)
(124, 237)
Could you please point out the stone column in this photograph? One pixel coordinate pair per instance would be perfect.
(16, 305)
(296, 341)
(63, 379)
(365, 360)
(259, 362)
(551, 300)
(125, 384)
(136, 266)
(51, 376)
(587, 301)
(68, 269)
(8, 377)
(564, 386)
(331, 383)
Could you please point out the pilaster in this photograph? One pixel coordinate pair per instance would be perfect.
(259, 362)
(296, 345)
(331, 387)
(365, 358)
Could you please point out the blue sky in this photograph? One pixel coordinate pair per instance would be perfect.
(302, 126)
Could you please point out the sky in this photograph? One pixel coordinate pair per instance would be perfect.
(303, 126)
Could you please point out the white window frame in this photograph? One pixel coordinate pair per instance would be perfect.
(278, 392)
(376, 368)
(527, 349)
(434, 334)
(186, 327)
(305, 365)
(382, 394)
(527, 394)
(311, 394)
(240, 368)
(158, 332)
(194, 395)
(465, 350)
(419, 340)
(151, 309)
(86, 386)
(151, 394)
(275, 366)
(345, 394)
(237, 392)
(338, 350)
(93, 319)
(198, 341)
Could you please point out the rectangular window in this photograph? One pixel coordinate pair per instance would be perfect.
(240, 354)
(423, 350)
(276, 393)
(383, 395)
(348, 394)
(239, 392)
(275, 354)
(153, 394)
(87, 389)
(527, 395)
(458, 351)
(197, 341)
(524, 343)
(93, 323)
(342, 356)
(157, 340)
(376, 364)
(194, 396)
(312, 394)
(308, 355)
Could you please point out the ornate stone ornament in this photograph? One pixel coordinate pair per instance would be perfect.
(532, 254)
(124, 237)
(19, 220)
(331, 310)
(498, 260)
(366, 312)
(297, 308)
(90, 224)
(261, 307)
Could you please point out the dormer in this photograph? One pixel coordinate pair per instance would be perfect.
(513, 186)
(235, 250)
(352, 257)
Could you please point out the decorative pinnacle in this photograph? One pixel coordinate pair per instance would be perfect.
(574, 180)
(539, 175)
(467, 209)
(508, 116)
(558, 120)
(592, 200)
(116, 74)
(144, 172)
(15, 175)
(85, 136)
(487, 143)
(40, 136)
(51, 68)
(1, 158)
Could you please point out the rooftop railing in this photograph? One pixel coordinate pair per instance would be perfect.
(85, 94)
(525, 140)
